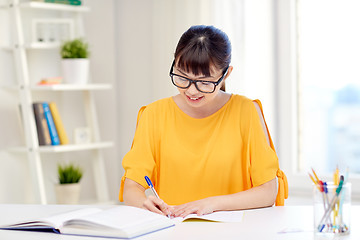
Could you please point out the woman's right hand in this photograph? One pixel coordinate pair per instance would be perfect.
(157, 205)
(134, 195)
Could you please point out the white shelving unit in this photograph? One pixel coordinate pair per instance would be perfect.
(67, 147)
(27, 88)
(72, 87)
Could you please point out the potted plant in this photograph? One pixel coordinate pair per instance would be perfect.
(75, 61)
(68, 189)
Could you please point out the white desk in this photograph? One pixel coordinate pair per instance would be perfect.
(257, 224)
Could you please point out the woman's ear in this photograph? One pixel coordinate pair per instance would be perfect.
(228, 72)
(223, 82)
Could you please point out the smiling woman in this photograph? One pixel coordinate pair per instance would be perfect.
(203, 53)
(205, 132)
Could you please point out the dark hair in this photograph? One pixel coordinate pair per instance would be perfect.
(202, 47)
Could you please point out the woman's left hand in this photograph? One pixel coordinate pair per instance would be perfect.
(199, 207)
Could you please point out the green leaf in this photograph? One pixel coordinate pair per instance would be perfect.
(69, 174)
(76, 48)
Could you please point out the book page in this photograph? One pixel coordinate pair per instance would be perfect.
(58, 220)
(121, 221)
(52, 222)
(120, 217)
(221, 216)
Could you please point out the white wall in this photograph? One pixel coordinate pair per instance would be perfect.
(133, 51)
(100, 30)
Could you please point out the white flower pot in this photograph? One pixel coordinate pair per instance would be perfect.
(67, 193)
(75, 70)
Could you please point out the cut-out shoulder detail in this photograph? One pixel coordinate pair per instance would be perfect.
(258, 109)
(283, 189)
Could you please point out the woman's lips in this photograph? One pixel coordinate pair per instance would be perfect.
(194, 99)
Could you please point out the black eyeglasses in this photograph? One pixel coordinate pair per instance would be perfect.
(201, 86)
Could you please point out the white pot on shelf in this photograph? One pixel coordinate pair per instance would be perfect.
(75, 70)
(67, 193)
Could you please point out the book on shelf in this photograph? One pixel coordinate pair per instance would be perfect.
(58, 124)
(69, 2)
(117, 222)
(41, 124)
(51, 125)
(50, 81)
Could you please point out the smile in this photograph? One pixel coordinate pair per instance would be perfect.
(194, 99)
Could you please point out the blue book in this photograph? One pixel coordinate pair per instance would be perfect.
(55, 140)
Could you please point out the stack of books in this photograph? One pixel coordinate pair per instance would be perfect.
(50, 128)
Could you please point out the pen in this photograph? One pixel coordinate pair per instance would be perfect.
(151, 186)
(336, 206)
(325, 198)
(342, 196)
(322, 190)
(326, 192)
(148, 181)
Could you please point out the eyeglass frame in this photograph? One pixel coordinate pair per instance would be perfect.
(171, 74)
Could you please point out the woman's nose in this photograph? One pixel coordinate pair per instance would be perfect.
(192, 89)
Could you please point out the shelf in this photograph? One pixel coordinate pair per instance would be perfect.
(35, 46)
(54, 6)
(75, 147)
(43, 45)
(71, 87)
(68, 147)
(64, 87)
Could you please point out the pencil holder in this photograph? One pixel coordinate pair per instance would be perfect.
(332, 209)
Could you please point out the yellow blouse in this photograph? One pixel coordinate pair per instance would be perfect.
(189, 159)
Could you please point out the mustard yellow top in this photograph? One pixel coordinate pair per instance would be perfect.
(189, 159)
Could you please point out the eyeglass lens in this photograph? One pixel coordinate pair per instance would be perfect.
(202, 86)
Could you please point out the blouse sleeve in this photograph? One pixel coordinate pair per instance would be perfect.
(139, 161)
(263, 159)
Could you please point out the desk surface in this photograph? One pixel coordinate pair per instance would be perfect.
(261, 224)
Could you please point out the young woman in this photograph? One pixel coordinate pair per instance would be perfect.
(205, 150)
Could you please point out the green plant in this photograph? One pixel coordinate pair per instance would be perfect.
(69, 174)
(76, 48)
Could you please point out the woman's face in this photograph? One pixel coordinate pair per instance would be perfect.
(192, 96)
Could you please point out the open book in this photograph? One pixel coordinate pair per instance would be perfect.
(117, 222)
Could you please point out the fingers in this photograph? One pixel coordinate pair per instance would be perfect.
(204, 211)
(198, 210)
(200, 207)
(184, 210)
(157, 205)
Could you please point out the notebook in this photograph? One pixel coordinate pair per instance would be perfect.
(221, 216)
